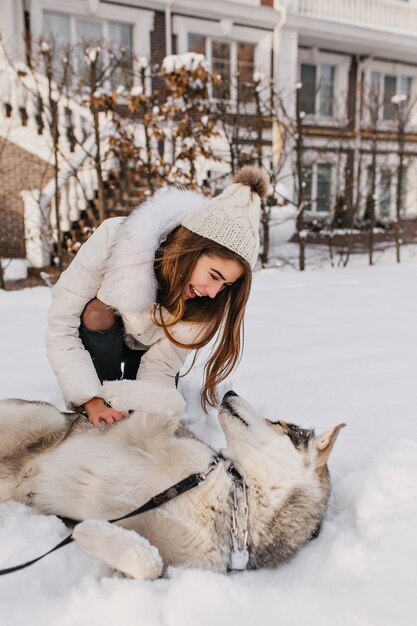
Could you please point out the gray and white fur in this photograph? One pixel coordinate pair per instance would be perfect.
(60, 464)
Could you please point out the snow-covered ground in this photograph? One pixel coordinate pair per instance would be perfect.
(321, 347)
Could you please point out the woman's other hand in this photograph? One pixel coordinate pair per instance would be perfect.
(97, 410)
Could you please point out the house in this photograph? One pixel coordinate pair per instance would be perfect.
(232, 35)
(349, 65)
(357, 65)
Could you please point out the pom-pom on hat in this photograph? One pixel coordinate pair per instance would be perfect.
(232, 218)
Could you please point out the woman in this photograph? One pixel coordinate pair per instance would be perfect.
(145, 289)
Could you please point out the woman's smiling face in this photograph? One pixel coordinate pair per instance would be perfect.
(210, 275)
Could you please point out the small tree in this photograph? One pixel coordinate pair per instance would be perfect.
(403, 109)
(185, 106)
(299, 152)
(2, 281)
(54, 95)
(372, 106)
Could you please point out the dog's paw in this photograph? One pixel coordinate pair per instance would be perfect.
(124, 550)
(143, 396)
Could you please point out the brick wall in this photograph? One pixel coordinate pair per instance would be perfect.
(18, 170)
(158, 44)
(158, 38)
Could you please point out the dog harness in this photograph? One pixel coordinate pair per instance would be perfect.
(239, 557)
(239, 529)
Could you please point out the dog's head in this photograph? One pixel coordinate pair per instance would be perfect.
(284, 468)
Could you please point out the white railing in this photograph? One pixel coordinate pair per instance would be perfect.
(77, 183)
(22, 122)
(387, 14)
(21, 96)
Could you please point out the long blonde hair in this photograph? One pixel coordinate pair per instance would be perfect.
(222, 316)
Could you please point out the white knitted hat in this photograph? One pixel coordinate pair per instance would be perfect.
(232, 218)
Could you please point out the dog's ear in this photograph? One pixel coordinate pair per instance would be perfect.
(325, 443)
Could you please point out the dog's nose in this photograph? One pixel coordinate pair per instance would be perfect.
(230, 394)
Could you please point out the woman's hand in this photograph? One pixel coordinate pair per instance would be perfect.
(97, 410)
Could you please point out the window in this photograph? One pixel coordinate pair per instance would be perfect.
(385, 193)
(121, 44)
(245, 68)
(326, 90)
(66, 31)
(386, 180)
(404, 188)
(197, 43)
(220, 64)
(308, 90)
(87, 32)
(318, 187)
(324, 172)
(308, 188)
(317, 91)
(390, 84)
(56, 26)
(370, 173)
(233, 61)
(57, 32)
(382, 88)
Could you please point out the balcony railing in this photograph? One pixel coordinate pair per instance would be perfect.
(390, 15)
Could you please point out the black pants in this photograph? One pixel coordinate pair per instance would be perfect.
(109, 352)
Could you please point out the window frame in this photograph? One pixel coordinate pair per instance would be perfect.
(317, 95)
(314, 165)
(233, 61)
(390, 165)
(397, 70)
(141, 20)
(230, 33)
(313, 56)
(104, 26)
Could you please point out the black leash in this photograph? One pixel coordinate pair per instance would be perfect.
(172, 492)
(10, 570)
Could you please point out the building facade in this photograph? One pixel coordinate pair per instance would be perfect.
(232, 35)
(349, 64)
(357, 65)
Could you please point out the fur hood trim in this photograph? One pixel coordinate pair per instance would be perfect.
(129, 284)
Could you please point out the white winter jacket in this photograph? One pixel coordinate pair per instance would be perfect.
(116, 266)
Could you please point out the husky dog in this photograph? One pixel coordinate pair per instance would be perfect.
(60, 464)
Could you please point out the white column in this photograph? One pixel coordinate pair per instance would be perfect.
(37, 230)
(286, 78)
(12, 28)
(286, 71)
(35, 19)
(73, 212)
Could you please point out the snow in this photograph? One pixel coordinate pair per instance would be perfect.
(398, 98)
(14, 269)
(321, 347)
(136, 90)
(188, 61)
(102, 91)
(22, 69)
(258, 77)
(91, 54)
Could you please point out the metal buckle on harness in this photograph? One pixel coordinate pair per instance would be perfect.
(214, 463)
